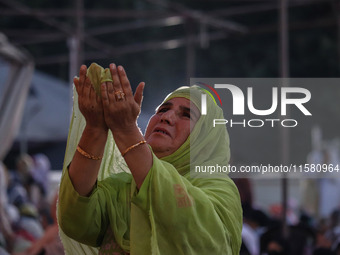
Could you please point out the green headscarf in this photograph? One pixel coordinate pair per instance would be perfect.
(207, 146)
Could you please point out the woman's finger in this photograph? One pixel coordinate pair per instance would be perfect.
(139, 93)
(124, 81)
(110, 91)
(99, 100)
(104, 94)
(87, 88)
(82, 77)
(115, 78)
(92, 94)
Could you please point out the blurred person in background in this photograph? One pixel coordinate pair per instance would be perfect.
(49, 243)
(32, 174)
(7, 236)
(328, 235)
(40, 182)
(40, 187)
(27, 225)
(19, 180)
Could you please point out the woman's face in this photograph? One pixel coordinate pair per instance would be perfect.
(170, 126)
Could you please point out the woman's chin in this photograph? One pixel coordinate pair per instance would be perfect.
(160, 149)
(158, 140)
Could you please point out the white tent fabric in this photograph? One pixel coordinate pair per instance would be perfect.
(34, 107)
(47, 111)
(14, 90)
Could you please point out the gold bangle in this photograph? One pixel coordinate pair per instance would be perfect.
(87, 155)
(133, 146)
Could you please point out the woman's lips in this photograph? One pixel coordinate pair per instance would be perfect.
(162, 131)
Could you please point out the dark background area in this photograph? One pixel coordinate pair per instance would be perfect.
(212, 38)
(137, 38)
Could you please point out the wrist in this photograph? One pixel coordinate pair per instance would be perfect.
(128, 136)
(95, 131)
(130, 130)
(92, 142)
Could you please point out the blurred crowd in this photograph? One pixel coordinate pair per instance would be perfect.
(28, 223)
(264, 234)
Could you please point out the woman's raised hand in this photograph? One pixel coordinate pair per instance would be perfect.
(90, 104)
(121, 107)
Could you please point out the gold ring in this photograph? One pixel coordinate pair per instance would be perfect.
(120, 95)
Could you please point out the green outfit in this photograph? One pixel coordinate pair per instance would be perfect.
(172, 213)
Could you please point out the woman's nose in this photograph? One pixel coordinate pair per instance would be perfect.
(169, 117)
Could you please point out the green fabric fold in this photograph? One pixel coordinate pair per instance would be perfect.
(98, 75)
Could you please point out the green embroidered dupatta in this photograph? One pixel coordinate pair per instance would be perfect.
(172, 213)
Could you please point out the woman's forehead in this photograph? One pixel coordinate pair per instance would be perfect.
(183, 102)
(180, 101)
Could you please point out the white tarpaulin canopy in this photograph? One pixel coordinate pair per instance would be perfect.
(34, 107)
(47, 110)
(15, 83)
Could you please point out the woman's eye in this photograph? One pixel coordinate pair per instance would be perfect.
(187, 115)
(162, 110)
